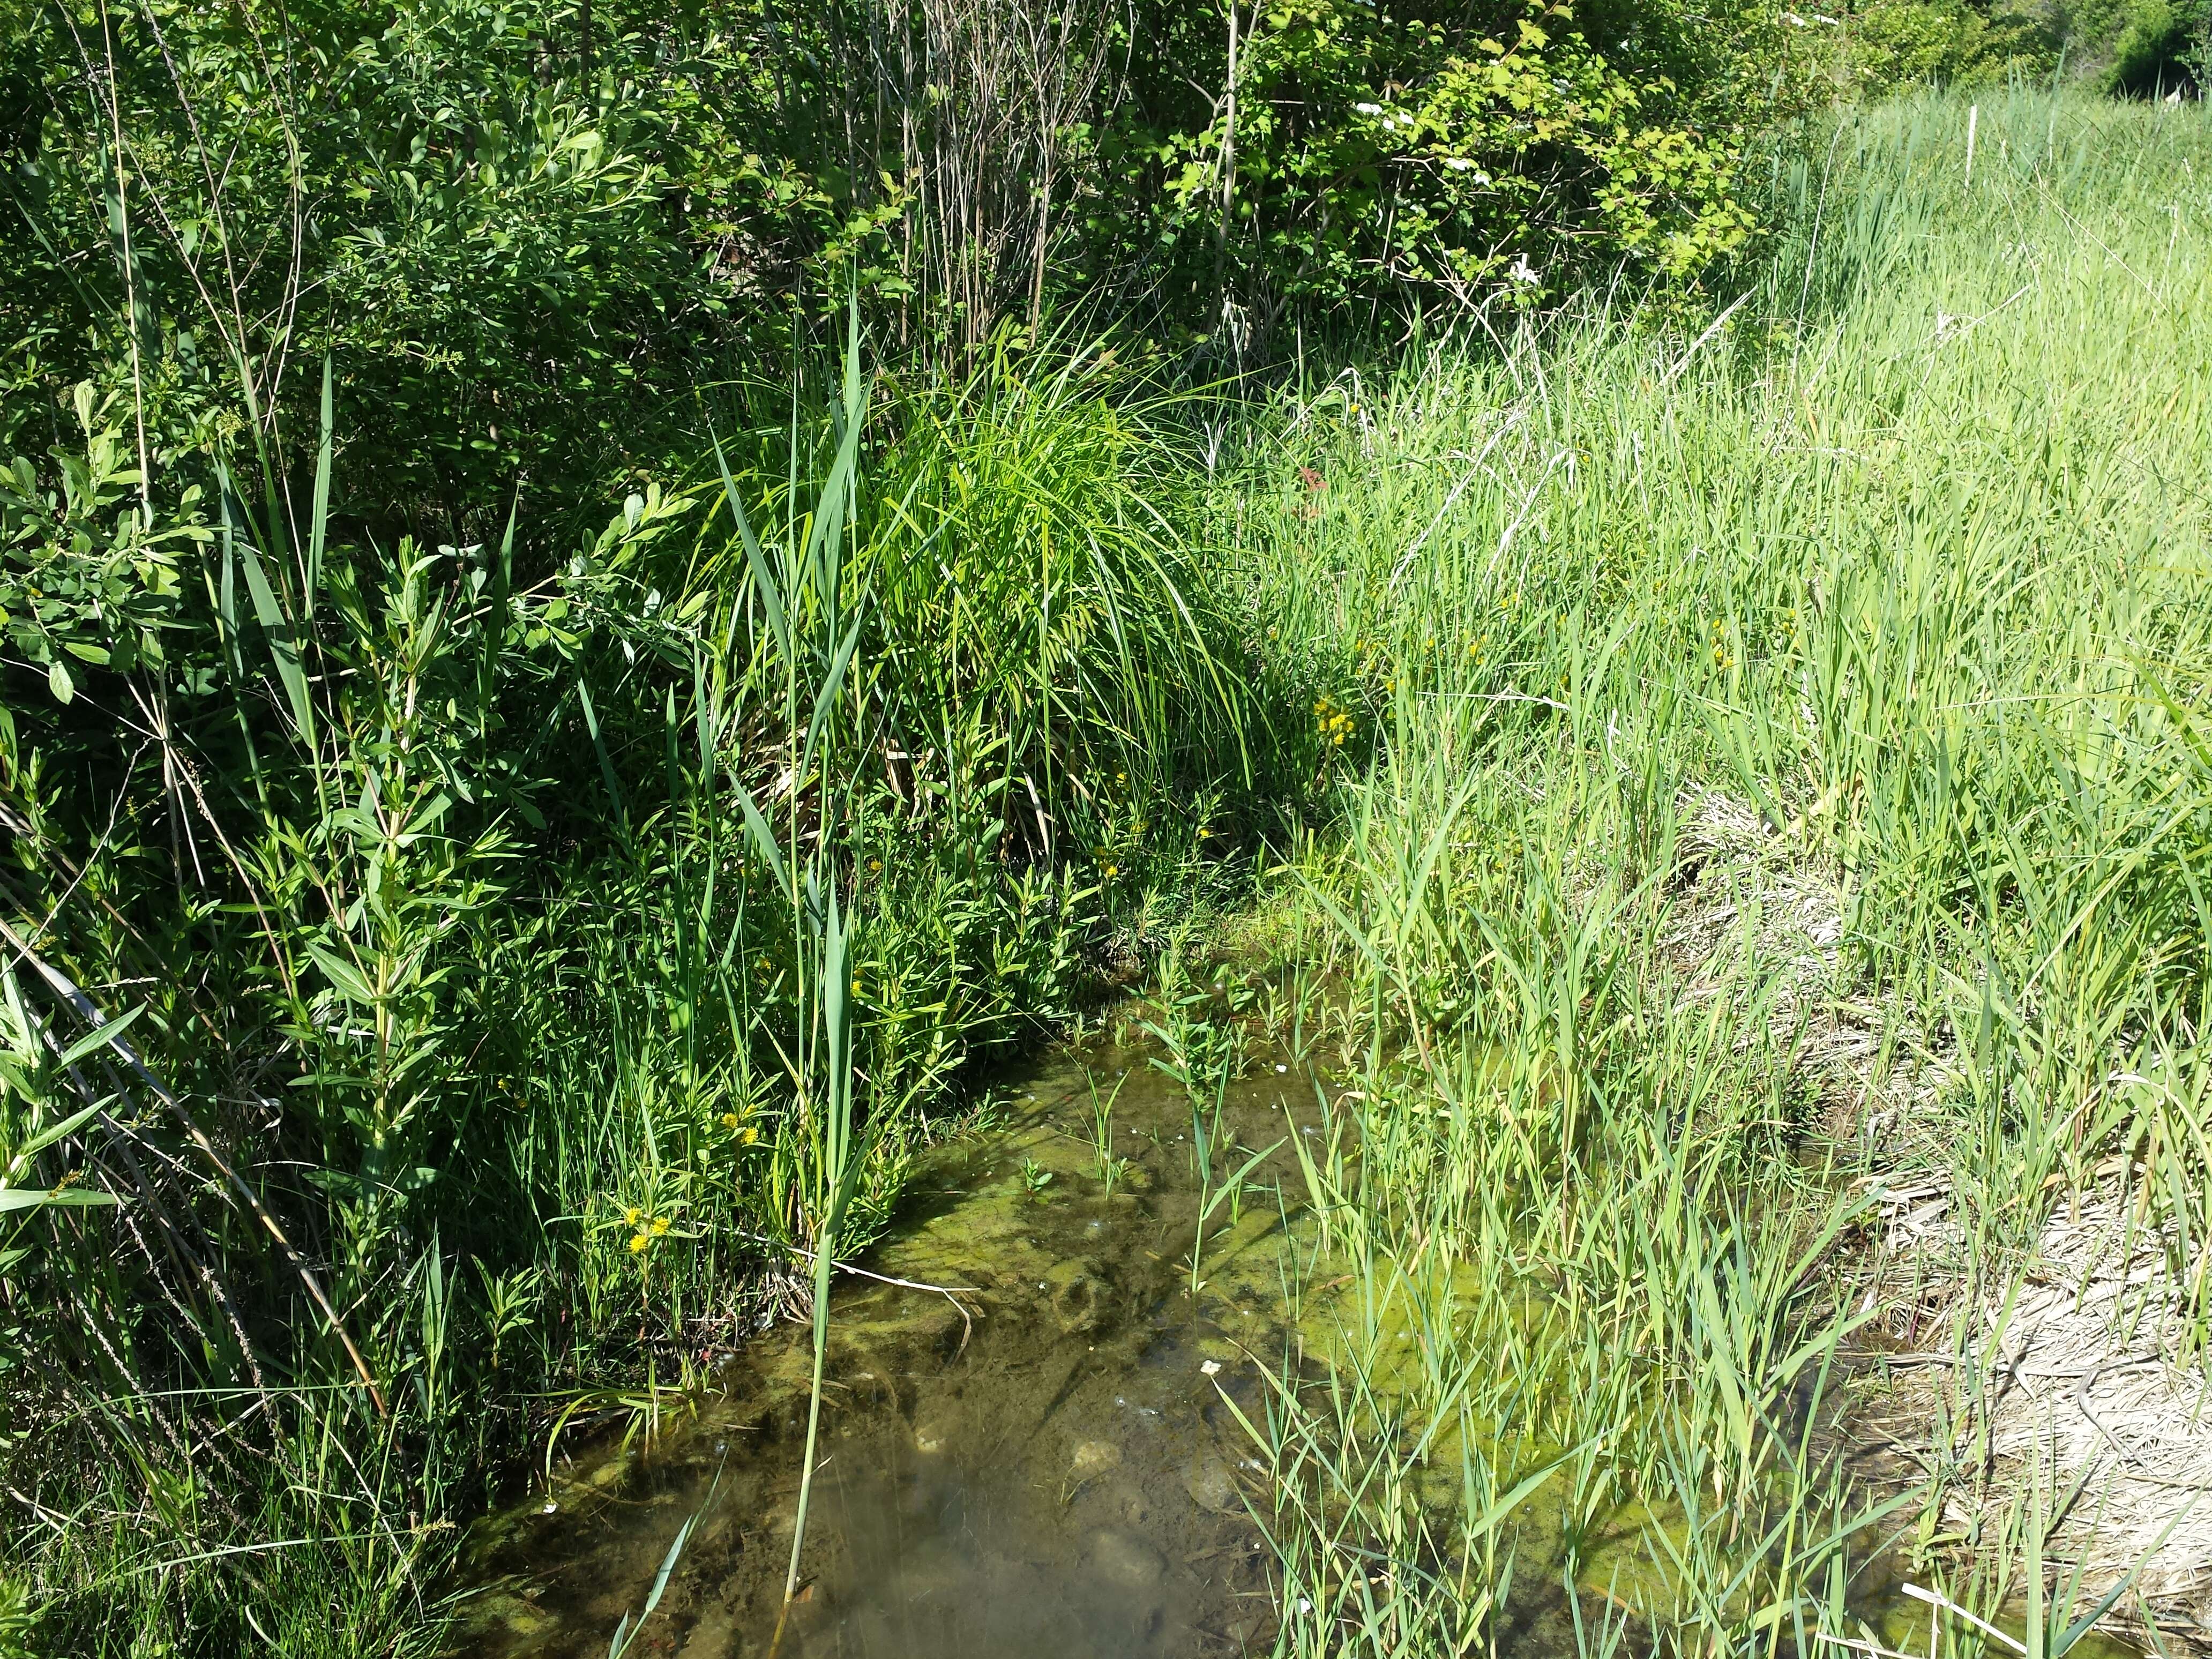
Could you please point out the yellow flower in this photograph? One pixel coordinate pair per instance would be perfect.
(659, 1225)
(1111, 870)
(729, 1120)
(875, 864)
(746, 1137)
(630, 1216)
(637, 1243)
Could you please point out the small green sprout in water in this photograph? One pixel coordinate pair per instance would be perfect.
(1111, 1170)
(1036, 1177)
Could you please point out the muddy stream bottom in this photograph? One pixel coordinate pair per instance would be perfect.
(1045, 1462)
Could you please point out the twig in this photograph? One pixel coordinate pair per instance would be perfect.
(951, 1292)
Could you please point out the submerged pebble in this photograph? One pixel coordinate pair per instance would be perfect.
(1210, 1484)
(1093, 1456)
(1124, 1558)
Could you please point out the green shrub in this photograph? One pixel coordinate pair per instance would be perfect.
(2159, 46)
(529, 233)
(1894, 43)
(523, 232)
(1430, 154)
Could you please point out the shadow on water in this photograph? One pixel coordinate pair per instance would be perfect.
(1045, 1462)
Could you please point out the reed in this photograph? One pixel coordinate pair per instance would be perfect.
(1762, 786)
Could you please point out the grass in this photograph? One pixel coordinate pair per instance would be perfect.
(1778, 766)
(1708, 775)
(558, 1074)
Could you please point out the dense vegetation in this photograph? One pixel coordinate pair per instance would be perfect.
(1790, 790)
(603, 601)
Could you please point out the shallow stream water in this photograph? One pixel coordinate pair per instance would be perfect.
(1043, 1462)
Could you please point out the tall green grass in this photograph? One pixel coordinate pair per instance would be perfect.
(583, 955)
(1901, 571)
(1707, 765)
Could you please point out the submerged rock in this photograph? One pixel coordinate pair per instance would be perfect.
(1211, 1484)
(1096, 1456)
(1124, 1558)
(1076, 1296)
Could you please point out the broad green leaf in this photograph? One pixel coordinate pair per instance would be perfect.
(99, 1037)
(64, 1198)
(61, 1131)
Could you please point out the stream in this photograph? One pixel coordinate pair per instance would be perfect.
(1043, 1462)
(1042, 1459)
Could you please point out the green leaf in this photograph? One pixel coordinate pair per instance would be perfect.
(764, 839)
(320, 519)
(830, 683)
(284, 648)
(771, 595)
(98, 1038)
(341, 974)
(66, 1197)
(599, 748)
(57, 677)
(46, 1137)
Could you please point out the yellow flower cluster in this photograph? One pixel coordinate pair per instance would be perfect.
(1335, 722)
(645, 1227)
(1721, 658)
(746, 1133)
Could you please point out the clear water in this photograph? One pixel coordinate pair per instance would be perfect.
(1045, 1463)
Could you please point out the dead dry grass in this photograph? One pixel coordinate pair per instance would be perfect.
(1745, 892)
(2069, 1367)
